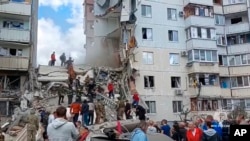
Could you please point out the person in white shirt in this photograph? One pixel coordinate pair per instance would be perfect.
(91, 112)
(151, 129)
(51, 117)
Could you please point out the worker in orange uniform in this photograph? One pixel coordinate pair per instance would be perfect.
(75, 109)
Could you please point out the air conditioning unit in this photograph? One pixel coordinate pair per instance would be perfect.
(178, 92)
(183, 53)
(181, 14)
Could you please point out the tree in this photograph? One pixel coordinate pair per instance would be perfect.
(237, 111)
(184, 113)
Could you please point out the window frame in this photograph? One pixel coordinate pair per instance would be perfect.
(178, 109)
(147, 53)
(178, 79)
(169, 13)
(146, 29)
(149, 104)
(146, 7)
(149, 87)
(177, 55)
(171, 34)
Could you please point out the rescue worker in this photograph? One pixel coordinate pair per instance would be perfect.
(53, 59)
(63, 59)
(70, 95)
(98, 110)
(32, 125)
(120, 109)
(60, 95)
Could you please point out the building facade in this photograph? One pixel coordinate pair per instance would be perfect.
(188, 54)
(18, 39)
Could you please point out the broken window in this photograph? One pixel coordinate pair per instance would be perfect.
(236, 20)
(13, 52)
(147, 33)
(174, 59)
(149, 82)
(172, 35)
(13, 82)
(146, 11)
(175, 82)
(13, 24)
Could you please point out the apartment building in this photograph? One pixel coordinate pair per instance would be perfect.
(18, 39)
(184, 53)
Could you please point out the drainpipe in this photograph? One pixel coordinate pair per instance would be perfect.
(228, 67)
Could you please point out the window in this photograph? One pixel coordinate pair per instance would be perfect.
(231, 60)
(177, 106)
(151, 106)
(172, 35)
(221, 40)
(236, 20)
(149, 82)
(13, 52)
(19, 52)
(148, 58)
(235, 1)
(147, 33)
(248, 103)
(146, 11)
(239, 102)
(204, 11)
(175, 82)
(219, 20)
(223, 60)
(218, 2)
(245, 80)
(172, 14)
(227, 104)
(190, 55)
(240, 81)
(205, 55)
(198, 32)
(13, 24)
(174, 59)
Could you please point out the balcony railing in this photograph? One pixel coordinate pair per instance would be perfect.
(14, 35)
(235, 8)
(203, 21)
(200, 2)
(14, 63)
(237, 28)
(16, 8)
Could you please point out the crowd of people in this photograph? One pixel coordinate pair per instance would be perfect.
(200, 130)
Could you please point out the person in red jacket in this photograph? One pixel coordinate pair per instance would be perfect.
(53, 59)
(194, 133)
(136, 99)
(111, 90)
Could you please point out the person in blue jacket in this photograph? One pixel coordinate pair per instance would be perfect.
(215, 125)
(139, 134)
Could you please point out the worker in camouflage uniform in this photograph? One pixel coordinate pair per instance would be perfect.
(60, 95)
(120, 109)
(98, 110)
(32, 126)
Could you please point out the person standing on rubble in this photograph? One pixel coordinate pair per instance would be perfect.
(53, 59)
(111, 89)
(32, 125)
(140, 112)
(63, 59)
(69, 62)
(85, 113)
(60, 95)
(91, 112)
(75, 109)
(128, 110)
(121, 109)
(70, 93)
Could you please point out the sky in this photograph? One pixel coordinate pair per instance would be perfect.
(60, 29)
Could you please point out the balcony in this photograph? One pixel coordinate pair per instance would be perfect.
(201, 44)
(14, 63)
(237, 28)
(200, 2)
(238, 48)
(207, 91)
(235, 70)
(202, 67)
(235, 8)
(199, 21)
(223, 71)
(218, 9)
(17, 8)
(15, 35)
(240, 92)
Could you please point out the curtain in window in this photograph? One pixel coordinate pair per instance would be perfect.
(202, 55)
(234, 82)
(150, 58)
(175, 35)
(206, 12)
(204, 33)
(173, 14)
(213, 33)
(194, 32)
(197, 11)
(208, 55)
(245, 80)
(196, 55)
(149, 33)
(214, 55)
(148, 11)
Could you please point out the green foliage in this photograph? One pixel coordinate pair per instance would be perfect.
(237, 111)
